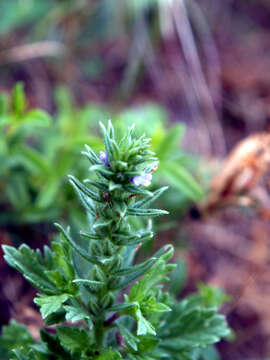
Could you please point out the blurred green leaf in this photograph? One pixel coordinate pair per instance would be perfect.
(15, 335)
(110, 355)
(182, 180)
(178, 278)
(48, 194)
(19, 13)
(18, 100)
(171, 142)
(37, 117)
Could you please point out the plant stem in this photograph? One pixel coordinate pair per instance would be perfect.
(99, 331)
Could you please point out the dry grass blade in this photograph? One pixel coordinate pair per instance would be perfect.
(32, 51)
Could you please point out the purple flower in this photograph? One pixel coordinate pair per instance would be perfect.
(144, 179)
(146, 176)
(104, 158)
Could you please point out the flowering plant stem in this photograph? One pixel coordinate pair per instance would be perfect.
(119, 309)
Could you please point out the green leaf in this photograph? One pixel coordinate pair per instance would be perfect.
(33, 160)
(90, 284)
(21, 353)
(182, 180)
(148, 200)
(144, 326)
(159, 307)
(148, 344)
(18, 99)
(76, 247)
(86, 201)
(146, 212)
(91, 155)
(109, 355)
(54, 345)
(18, 192)
(82, 188)
(107, 140)
(76, 313)
(212, 296)
(170, 143)
(55, 318)
(25, 260)
(178, 278)
(132, 189)
(15, 335)
(143, 267)
(193, 326)
(50, 304)
(4, 99)
(73, 339)
(48, 194)
(37, 117)
(129, 338)
(166, 251)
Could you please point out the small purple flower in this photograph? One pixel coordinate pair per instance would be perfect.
(146, 176)
(144, 179)
(104, 158)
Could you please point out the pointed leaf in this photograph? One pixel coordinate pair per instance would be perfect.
(146, 212)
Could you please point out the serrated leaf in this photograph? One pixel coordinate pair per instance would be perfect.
(50, 304)
(73, 339)
(193, 326)
(129, 338)
(25, 260)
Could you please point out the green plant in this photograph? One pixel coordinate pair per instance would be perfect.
(109, 307)
(18, 126)
(33, 166)
(175, 165)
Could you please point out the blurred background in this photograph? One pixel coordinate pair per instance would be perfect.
(194, 75)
